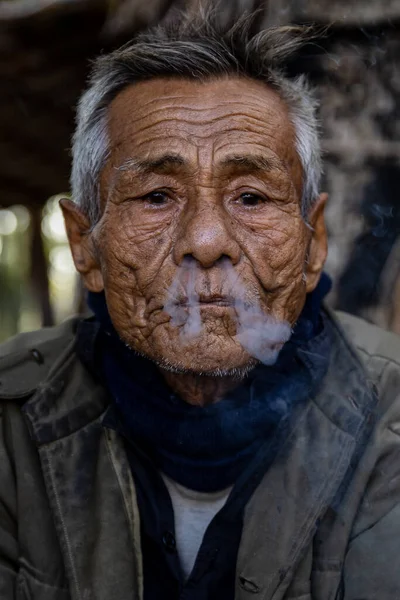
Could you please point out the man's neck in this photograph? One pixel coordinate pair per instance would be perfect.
(200, 390)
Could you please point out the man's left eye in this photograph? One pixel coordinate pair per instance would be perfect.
(250, 200)
(156, 198)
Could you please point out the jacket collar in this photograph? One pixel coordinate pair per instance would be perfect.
(70, 398)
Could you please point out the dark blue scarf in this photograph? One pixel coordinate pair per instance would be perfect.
(206, 448)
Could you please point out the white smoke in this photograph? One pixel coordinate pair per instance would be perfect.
(259, 333)
(186, 316)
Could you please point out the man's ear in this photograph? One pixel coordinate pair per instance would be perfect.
(80, 240)
(318, 247)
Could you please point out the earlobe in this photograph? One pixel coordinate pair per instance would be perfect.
(80, 240)
(318, 247)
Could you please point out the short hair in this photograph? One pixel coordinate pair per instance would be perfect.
(197, 48)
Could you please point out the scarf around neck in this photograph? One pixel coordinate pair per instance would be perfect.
(207, 448)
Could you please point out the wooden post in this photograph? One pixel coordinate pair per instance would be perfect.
(39, 279)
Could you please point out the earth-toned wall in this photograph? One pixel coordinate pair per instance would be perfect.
(355, 66)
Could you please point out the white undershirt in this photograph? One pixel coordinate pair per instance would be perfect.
(193, 512)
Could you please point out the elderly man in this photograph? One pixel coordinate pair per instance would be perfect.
(212, 432)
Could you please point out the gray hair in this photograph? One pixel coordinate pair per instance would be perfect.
(194, 48)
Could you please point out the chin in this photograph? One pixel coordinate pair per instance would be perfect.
(237, 372)
(205, 359)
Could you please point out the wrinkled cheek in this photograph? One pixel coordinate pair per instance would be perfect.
(282, 276)
(280, 269)
(293, 301)
(126, 305)
(289, 258)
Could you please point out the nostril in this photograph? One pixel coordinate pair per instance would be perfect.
(187, 259)
(224, 258)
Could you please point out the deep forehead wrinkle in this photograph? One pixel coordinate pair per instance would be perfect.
(192, 90)
(200, 118)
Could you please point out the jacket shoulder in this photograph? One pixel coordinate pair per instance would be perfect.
(27, 359)
(379, 351)
(369, 339)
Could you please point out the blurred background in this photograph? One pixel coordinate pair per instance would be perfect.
(45, 52)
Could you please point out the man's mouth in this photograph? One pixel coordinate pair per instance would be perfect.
(208, 300)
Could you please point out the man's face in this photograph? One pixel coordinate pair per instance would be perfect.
(206, 175)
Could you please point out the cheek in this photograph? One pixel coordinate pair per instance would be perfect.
(131, 248)
(277, 250)
(277, 256)
(135, 267)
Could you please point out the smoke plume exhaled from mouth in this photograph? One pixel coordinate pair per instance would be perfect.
(187, 315)
(259, 333)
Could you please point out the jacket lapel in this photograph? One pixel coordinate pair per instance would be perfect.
(89, 485)
(304, 480)
(282, 515)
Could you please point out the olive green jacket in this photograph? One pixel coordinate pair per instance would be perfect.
(324, 523)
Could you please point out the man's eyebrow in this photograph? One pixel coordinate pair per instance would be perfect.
(160, 164)
(250, 163)
(243, 164)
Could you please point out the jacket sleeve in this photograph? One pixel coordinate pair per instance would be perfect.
(31, 564)
(372, 564)
(8, 521)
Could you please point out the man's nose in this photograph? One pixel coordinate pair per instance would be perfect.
(207, 236)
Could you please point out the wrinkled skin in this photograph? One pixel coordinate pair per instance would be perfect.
(203, 204)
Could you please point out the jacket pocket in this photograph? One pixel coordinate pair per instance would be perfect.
(31, 588)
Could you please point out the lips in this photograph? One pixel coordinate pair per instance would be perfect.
(207, 300)
(216, 300)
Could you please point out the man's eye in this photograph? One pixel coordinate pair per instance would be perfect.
(251, 199)
(156, 198)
